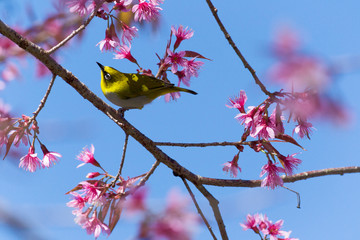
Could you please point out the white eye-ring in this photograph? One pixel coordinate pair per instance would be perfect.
(107, 76)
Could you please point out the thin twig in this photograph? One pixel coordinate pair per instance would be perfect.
(43, 101)
(214, 203)
(237, 51)
(148, 174)
(198, 208)
(75, 32)
(297, 195)
(122, 159)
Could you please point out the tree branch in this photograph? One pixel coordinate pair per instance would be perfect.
(237, 51)
(43, 101)
(75, 32)
(214, 203)
(286, 179)
(198, 208)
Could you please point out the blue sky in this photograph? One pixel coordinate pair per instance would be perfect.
(329, 205)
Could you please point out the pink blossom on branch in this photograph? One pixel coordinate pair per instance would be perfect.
(272, 179)
(175, 59)
(303, 129)
(146, 10)
(96, 227)
(289, 163)
(30, 162)
(232, 166)
(181, 34)
(125, 53)
(176, 222)
(128, 33)
(238, 101)
(78, 6)
(87, 156)
(50, 158)
(260, 224)
(77, 202)
(111, 40)
(192, 67)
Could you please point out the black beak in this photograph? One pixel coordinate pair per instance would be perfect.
(101, 66)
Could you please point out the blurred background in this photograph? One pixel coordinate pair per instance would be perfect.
(324, 34)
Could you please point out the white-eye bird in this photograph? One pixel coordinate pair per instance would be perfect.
(133, 90)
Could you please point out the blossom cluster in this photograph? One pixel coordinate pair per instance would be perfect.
(261, 225)
(98, 204)
(183, 64)
(14, 131)
(53, 29)
(305, 74)
(259, 124)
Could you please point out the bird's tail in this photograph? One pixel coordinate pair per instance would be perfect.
(179, 89)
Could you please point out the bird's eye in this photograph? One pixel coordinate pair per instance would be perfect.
(107, 76)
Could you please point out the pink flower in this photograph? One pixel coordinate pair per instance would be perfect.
(181, 34)
(147, 11)
(251, 223)
(77, 202)
(78, 6)
(238, 101)
(174, 59)
(286, 42)
(3, 138)
(125, 53)
(93, 175)
(290, 163)
(4, 110)
(96, 227)
(303, 129)
(10, 72)
(30, 162)
(264, 128)
(49, 157)
(301, 72)
(91, 191)
(82, 218)
(128, 33)
(136, 202)
(272, 179)
(176, 222)
(192, 67)
(273, 229)
(287, 235)
(232, 166)
(87, 156)
(247, 119)
(183, 78)
(172, 96)
(111, 40)
(121, 5)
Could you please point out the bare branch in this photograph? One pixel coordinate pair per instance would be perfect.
(122, 160)
(198, 208)
(214, 203)
(148, 174)
(237, 51)
(43, 101)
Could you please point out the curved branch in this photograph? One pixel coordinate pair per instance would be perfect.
(237, 51)
(75, 32)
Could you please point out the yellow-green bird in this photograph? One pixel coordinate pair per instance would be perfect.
(132, 90)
